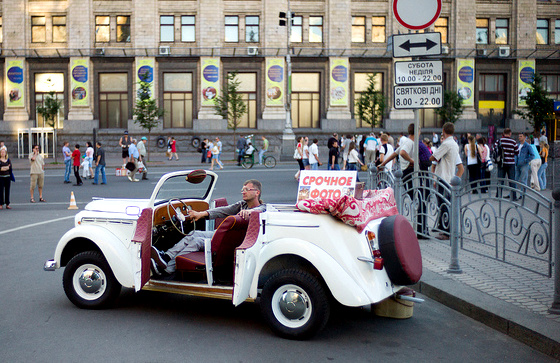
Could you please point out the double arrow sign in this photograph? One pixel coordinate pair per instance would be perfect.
(416, 45)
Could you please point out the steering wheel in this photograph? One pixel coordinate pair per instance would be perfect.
(180, 220)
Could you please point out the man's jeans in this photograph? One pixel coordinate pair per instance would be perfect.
(314, 166)
(506, 171)
(261, 153)
(521, 175)
(542, 176)
(99, 168)
(67, 170)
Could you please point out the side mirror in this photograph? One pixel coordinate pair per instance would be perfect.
(196, 176)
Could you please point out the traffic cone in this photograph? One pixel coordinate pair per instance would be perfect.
(73, 204)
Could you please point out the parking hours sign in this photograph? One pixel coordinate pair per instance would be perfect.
(418, 96)
(419, 72)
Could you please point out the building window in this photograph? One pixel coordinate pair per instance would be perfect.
(187, 28)
(248, 92)
(361, 83)
(1, 34)
(113, 100)
(177, 100)
(492, 99)
(441, 26)
(551, 82)
(251, 29)
(123, 29)
(542, 31)
(315, 29)
(378, 29)
(297, 29)
(358, 29)
(502, 31)
(38, 29)
(481, 31)
(59, 29)
(102, 29)
(232, 29)
(166, 28)
(44, 84)
(306, 98)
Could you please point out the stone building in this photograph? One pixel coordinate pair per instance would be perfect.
(91, 53)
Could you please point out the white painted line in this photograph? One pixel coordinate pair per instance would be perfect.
(35, 225)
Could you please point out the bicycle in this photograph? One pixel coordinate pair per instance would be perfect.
(248, 161)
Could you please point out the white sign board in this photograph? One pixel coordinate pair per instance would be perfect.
(418, 96)
(419, 72)
(331, 184)
(416, 44)
(416, 14)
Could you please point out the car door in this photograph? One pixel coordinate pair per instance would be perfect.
(142, 241)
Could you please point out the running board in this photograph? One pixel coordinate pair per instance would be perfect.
(184, 288)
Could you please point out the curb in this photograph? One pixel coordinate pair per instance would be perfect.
(534, 330)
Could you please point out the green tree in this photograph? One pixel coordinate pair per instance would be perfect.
(49, 111)
(452, 107)
(146, 112)
(231, 105)
(370, 106)
(540, 107)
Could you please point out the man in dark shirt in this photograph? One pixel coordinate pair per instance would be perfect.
(506, 169)
(333, 156)
(424, 154)
(100, 162)
(241, 146)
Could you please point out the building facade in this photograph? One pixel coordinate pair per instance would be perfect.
(92, 53)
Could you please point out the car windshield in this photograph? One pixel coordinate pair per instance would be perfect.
(178, 187)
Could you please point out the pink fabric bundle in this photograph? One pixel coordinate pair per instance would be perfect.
(352, 211)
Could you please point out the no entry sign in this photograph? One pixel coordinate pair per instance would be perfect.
(416, 14)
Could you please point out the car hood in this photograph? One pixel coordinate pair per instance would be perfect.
(131, 207)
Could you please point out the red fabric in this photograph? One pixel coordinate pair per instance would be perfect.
(76, 157)
(143, 235)
(253, 231)
(173, 147)
(354, 212)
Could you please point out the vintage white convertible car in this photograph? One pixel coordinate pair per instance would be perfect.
(294, 262)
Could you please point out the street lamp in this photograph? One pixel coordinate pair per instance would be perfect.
(288, 136)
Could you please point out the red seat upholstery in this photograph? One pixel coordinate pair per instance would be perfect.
(228, 236)
(220, 202)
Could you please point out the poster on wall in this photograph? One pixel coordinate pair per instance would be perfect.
(79, 82)
(15, 83)
(145, 72)
(525, 78)
(465, 80)
(338, 81)
(210, 80)
(275, 81)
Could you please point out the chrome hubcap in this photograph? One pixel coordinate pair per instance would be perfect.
(292, 305)
(90, 281)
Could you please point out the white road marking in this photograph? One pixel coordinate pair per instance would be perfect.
(35, 224)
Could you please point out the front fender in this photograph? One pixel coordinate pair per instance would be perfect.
(113, 249)
(342, 286)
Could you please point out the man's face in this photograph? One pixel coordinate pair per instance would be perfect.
(521, 138)
(249, 192)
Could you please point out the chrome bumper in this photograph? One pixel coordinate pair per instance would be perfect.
(50, 265)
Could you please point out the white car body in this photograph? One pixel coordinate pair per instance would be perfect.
(319, 245)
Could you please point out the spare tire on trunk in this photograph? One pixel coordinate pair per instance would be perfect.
(400, 250)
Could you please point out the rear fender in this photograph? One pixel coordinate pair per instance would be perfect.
(120, 258)
(341, 285)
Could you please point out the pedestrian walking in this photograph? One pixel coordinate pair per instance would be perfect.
(353, 159)
(240, 147)
(371, 145)
(385, 150)
(333, 156)
(173, 146)
(141, 146)
(215, 151)
(89, 158)
(522, 164)
(474, 165)
(305, 158)
(67, 153)
(203, 150)
(298, 156)
(544, 163)
(218, 143)
(168, 152)
(76, 156)
(484, 155)
(263, 149)
(100, 165)
(134, 157)
(505, 151)
(124, 143)
(314, 161)
(345, 150)
(535, 165)
(37, 173)
(6, 178)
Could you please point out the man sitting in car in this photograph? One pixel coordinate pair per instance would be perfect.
(251, 193)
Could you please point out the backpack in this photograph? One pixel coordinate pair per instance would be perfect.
(498, 154)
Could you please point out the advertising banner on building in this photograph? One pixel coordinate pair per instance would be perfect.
(525, 78)
(210, 79)
(15, 83)
(79, 82)
(274, 81)
(465, 80)
(338, 81)
(330, 184)
(145, 72)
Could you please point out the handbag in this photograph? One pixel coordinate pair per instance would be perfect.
(209, 154)
(130, 166)
(296, 154)
(489, 165)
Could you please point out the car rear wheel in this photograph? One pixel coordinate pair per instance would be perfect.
(89, 282)
(295, 304)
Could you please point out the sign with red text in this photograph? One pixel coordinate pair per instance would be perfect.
(326, 184)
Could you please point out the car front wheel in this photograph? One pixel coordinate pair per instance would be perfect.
(89, 282)
(295, 304)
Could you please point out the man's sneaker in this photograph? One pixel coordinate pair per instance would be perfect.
(158, 257)
(155, 268)
(129, 177)
(135, 180)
